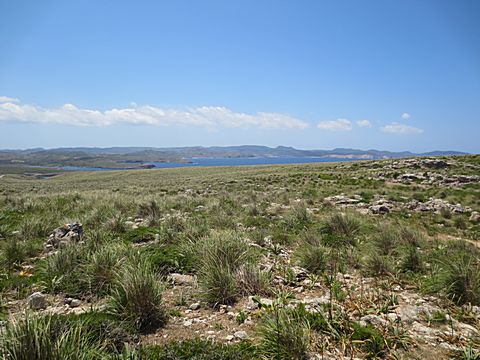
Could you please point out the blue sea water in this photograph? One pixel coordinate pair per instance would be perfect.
(245, 161)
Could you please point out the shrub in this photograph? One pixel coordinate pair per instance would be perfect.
(137, 297)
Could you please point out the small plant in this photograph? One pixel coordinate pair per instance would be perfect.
(241, 317)
(369, 339)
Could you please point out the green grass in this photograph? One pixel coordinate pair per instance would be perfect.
(201, 221)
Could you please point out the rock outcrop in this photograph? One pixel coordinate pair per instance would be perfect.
(63, 235)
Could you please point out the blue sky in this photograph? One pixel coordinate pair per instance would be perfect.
(393, 75)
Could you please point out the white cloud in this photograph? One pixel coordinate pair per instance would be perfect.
(206, 116)
(406, 116)
(4, 99)
(396, 128)
(335, 125)
(364, 123)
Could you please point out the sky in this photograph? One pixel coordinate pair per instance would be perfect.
(314, 74)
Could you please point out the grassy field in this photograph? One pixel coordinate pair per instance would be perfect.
(265, 264)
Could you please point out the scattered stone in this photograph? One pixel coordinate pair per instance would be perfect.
(188, 323)
(75, 303)
(475, 217)
(241, 335)
(181, 279)
(194, 306)
(374, 320)
(379, 209)
(37, 301)
(342, 200)
(229, 337)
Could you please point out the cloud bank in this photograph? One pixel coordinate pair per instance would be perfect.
(205, 116)
(364, 123)
(335, 125)
(396, 128)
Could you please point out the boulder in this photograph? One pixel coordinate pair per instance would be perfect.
(37, 301)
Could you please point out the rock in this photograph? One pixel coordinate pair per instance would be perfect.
(37, 301)
(75, 303)
(180, 279)
(229, 337)
(379, 209)
(475, 217)
(374, 320)
(194, 306)
(188, 323)
(61, 236)
(241, 335)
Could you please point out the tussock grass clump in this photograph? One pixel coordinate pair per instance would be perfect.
(200, 350)
(102, 265)
(137, 297)
(459, 275)
(250, 280)
(12, 254)
(46, 338)
(386, 239)
(285, 334)
(314, 258)
(225, 268)
(342, 226)
(62, 271)
(379, 265)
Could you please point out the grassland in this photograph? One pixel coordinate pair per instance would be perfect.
(243, 263)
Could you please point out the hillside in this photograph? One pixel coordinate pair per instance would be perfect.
(363, 260)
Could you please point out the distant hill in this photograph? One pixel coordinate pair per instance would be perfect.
(122, 157)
